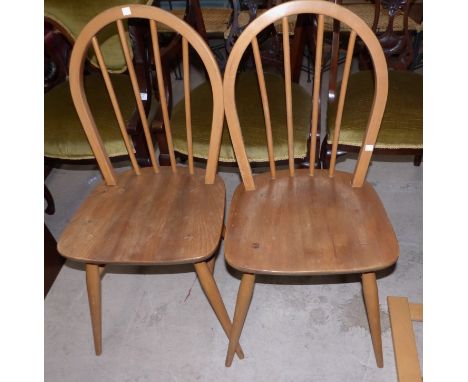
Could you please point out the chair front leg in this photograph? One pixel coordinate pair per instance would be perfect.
(93, 283)
(211, 290)
(244, 297)
(371, 300)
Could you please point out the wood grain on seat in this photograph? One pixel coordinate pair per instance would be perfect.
(308, 225)
(147, 219)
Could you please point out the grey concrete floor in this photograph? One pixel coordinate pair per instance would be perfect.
(158, 325)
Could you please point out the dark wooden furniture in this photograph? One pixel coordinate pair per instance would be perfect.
(307, 222)
(155, 215)
(402, 126)
(52, 260)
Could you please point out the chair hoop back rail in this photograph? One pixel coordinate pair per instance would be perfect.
(322, 9)
(190, 37)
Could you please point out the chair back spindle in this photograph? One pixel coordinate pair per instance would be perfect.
(188, 115)
(136, 90)
(288, 92)
(115, 104)
(162, 92)
(339, 112)
(266, 107)
(189, 39)
(358, 29)
(316, 93)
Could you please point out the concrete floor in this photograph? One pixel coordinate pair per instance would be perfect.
(158, 325)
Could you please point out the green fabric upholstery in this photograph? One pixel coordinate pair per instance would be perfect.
(74, 15)
(402, 124)
(249, 107)
(64, 136)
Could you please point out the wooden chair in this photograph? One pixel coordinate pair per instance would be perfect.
(154, 215)
(402, 125)
(307, 222)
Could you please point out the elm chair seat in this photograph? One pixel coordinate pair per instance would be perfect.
(402, 124)
(64, 137)
(72, 16)
(306, 225)
(143, 220)
(249, 106)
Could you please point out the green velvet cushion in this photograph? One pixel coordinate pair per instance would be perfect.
(402, 124)
(74, 15)
(249, 107)
(64, 136)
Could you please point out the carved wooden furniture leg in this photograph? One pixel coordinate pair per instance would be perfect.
(214, 297)
(418, 158)
(50, 210)
(242, 306)
(93, 283)
(371, 299)
(52, 260)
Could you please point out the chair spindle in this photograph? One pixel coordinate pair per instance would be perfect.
(287, 85)
(162, 93)
(115, 104)
(188, 116)
(136, 90)
(341, 100)
(266, 107)
(316, 93)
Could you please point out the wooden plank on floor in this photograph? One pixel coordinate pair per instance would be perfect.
(416, 311)
(404, 343)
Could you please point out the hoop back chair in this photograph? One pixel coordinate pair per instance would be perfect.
(153, 215)
(307, 221)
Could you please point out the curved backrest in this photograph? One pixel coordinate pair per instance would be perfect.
(248, 37)
(189, 38)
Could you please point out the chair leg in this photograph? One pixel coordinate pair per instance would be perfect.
(93, 283)
(211, 264)
(214, 297)
(371, 300)
(244, 296)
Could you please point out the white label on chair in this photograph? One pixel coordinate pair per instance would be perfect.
(369, 148)
(126, 11)
(143, 96)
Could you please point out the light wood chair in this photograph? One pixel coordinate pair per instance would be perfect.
(307, 221)
(154, 215)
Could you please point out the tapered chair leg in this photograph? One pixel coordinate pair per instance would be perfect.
(244, 296)
(93, 283)
(214, 297)
(371, 300)
(211, 264)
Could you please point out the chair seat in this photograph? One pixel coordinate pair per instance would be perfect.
(402, 124)
(73, 16)
(305, 225)
(249, 107)
(64, 136)
(146, 219)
